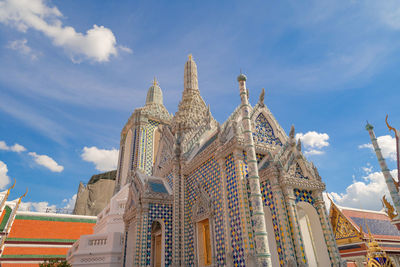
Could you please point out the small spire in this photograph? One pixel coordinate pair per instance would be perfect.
(190, 57)
(261, 98)
(369, 126)
(155, 82)
(291, 133)
(299, 145)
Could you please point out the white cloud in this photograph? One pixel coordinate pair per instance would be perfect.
(388, 12)
(104, 160)
(22, 47)
(42, 206)
(70, 203)
(125, 49)
(387, 145)
(4, 179)
(47, 162)
(15, 148)
(18, 148)
(98, 44)
(366, 194)
(367, 169)
(313, 142)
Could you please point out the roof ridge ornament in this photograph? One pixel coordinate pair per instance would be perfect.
(261, 98)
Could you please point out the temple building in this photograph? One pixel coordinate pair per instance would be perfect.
(28, 238)
(356, 230)
(190, 191)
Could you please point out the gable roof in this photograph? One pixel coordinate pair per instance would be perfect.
(378, 222)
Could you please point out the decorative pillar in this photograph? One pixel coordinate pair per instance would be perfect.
(327, 230)
(178, 247)
(393, 190)
(260, 231)
(297, 240)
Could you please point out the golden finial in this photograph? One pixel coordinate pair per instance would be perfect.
(390, 127)
(190, 57)
(24, 195)
(155, 81)
(388, 208)
(13, 184)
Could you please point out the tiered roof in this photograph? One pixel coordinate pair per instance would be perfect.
(38, 236)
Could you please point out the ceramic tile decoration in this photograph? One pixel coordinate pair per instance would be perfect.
(213, 184)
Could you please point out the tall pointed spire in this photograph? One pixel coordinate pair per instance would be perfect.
(190, 76)
(390, 182)
(192, 109)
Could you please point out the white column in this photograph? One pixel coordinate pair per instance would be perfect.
(260, 230)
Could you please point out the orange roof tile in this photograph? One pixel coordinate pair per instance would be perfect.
(34, 251)
(37, 229)
(19, 264)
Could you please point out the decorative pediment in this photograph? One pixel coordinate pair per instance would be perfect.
(263, 131)
(203, 207)
(343, 229)
(266, 128)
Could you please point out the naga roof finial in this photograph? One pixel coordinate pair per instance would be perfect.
(389, 127)
(389, 208)
(261, 99)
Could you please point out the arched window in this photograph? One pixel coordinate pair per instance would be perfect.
(313, 237)
(157, 244)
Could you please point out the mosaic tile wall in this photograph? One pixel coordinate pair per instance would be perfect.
(299, 173)
(208, 175)
(135, 152)
(151, 126)
(264, 133)
(162, 212)
(170, 180)
(133, 156)
(236, 227)
(303, 195)
(142, 148)
(268, 200)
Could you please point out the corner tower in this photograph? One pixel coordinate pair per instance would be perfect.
(140, 136)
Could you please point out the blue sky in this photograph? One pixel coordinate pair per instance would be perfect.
(72, 72)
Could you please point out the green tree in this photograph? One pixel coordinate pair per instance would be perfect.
(55, 263)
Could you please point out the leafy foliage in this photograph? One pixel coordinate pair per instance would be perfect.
(55, 263)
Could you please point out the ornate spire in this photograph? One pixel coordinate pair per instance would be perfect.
(393, 190)
(192, 110)
(190, 76)
(154, 94)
